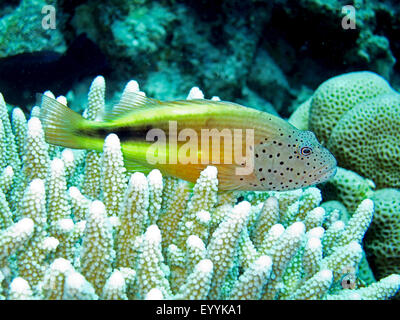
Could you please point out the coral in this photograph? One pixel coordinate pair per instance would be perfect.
(299, 118)
(21, 30)
(367, 140)
(382, 240)
(337, 95)
(349, 188)
(355, 115)
(155, 237)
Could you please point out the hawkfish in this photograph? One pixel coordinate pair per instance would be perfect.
(251, 149)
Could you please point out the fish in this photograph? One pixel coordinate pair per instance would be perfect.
(252, 150)
(25, 74)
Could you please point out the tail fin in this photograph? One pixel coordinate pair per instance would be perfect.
(60, 123)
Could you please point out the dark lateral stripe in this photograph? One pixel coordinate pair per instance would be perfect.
(123, 133)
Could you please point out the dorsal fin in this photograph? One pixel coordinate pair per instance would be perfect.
(129, 102)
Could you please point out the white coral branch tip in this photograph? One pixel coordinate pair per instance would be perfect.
(62, 265)
(116, 280)
(325, 275)
(67, 155)
(155, 177)
(154, 294)
(112, 141)
(25, 226)
(296, 229)
(195, 242)
(34, 126)
(99, 81)
(263, 263)
(37, 186)
(153, 234)
(204, 266)
(132, 86)
(97, 208)
(314, 243)
(195, 93)
(19, 285)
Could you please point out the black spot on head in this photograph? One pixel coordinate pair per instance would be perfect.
(278, 155)
(260, 169)
(263, 150)
(281, 163)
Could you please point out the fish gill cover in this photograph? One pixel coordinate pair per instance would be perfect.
(95, 222)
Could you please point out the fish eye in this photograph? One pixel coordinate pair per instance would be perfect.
(305, 151)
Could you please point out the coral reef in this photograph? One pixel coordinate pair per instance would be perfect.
(356, 116)
(76, 225)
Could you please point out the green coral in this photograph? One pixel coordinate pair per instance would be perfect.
(356, 116)
(382, 241)
(334, 97)
(367, 140)
(349, 188)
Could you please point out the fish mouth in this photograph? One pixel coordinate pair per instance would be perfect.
(324, 174)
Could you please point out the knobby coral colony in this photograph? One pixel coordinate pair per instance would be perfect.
(75, 225)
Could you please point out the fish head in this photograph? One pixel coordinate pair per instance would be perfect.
(292, 159)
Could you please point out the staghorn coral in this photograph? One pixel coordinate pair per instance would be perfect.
(349, 188)
(167, 240)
